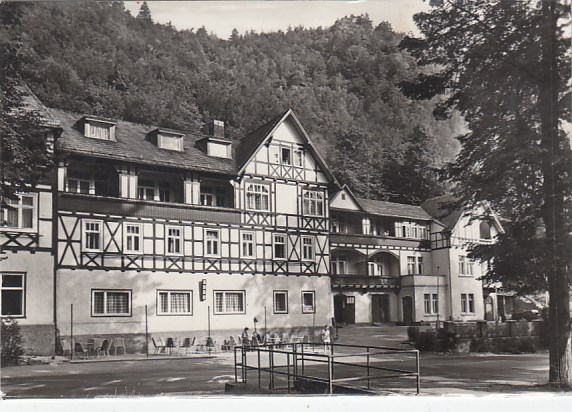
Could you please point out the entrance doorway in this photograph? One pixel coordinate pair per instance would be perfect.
(407, 310)
(379, 308)
(345, 309)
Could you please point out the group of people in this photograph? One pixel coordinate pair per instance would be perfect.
(256, 338)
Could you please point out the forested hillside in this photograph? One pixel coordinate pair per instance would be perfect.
(342, 81)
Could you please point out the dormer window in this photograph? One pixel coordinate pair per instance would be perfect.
(99, 129)
(170, 141)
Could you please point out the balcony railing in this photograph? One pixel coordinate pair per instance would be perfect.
(141, 208)
(341, 239)
(365, 282)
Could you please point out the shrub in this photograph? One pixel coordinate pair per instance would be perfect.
(11, 341)
(412, 333)
(426, 341)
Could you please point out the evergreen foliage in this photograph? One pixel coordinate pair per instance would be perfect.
(505, 65)
(11, 338)
(96, 58)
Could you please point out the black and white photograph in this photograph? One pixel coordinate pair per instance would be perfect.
(286, 204)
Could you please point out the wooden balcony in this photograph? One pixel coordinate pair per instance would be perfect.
(349, 240)
(365, 282)
(141, 208)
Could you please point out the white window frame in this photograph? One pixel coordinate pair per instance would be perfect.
(143, 189)
(430, 303)
(275, 301)
(298, 158)
(212, 243)
(284, 243)
(435, 303)
(86, 178)
(339, 264)
(225, 310)
(305, 308)
(375, 267)
(308, 248)
(260, 191)
(127, 235)
(411, 263)
(313, 203)
(286, 161)
(84, 235)
(468, 303)
(105, 292)
(170, 142)
(420, 265)
(21, 289)
(168, 294)
(248, 246)
(92, 126)
(465, 266)
(19, 207)
(177, 239)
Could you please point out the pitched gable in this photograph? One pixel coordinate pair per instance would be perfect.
(345, 199)
(282, 148)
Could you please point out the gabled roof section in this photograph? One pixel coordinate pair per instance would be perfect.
(391, 209)
(337, 199)
(34, 104)
(251, 143)
(436, 208)
(132, 145)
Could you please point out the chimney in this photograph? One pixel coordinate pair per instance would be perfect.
(218, 129)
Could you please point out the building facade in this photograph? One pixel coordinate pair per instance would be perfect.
(146, 230)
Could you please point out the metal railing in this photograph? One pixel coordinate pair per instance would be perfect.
(338, 368)
(364, 280)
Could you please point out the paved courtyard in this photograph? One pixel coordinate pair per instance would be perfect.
(199, 375)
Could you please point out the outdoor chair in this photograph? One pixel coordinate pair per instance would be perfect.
(170, 345)
(79, 347)
(187, 344)
(239, 341)
(66, 347)
(104, 349)
(158, 347)
(233, 343)
(119, 343)
(97, 342)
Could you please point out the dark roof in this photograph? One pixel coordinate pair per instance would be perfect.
(250, 142)
(131, 145)
(383, 208)
(435, 208)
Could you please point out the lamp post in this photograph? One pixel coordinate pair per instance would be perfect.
(437, 323)
(255, 322)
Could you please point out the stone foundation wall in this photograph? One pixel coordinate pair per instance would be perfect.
(38, 339)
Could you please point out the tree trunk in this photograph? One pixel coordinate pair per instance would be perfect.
(554, 161)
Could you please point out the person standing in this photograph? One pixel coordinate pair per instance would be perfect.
(245, 338)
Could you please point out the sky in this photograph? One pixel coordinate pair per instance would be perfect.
(220, 17)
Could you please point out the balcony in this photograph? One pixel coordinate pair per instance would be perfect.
(423, 280)
(147, 209)
(340, 240)
(365, 282)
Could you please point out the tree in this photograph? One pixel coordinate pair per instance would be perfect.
(145, 13)
(504, 65)
(24, 155)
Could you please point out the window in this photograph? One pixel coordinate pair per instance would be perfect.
(111, 303)
(410, 265)
(375, 267)
(170, 142)
(307, 247)
(280, 301)
(99, 130)
(164, 192)
(174, 240)
(298, 158)
(177, 302)
(308, 302)
(286, 156)
(92, 237)
(145, 189)
(279, 246)
(419, 265)
(212, 243)
(229, 302)
(207, 196)
(20, 213)
(430, 303)
(248, 244)
(78, 182)
(133, 234)
(465, 266)
(12, 296)
(484, 230)
(339, 225)
(339, 264)
(467, 303)
(257, 197)
(313, 203)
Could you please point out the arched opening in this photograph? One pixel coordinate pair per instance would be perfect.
(383, 264)
(485, 230)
